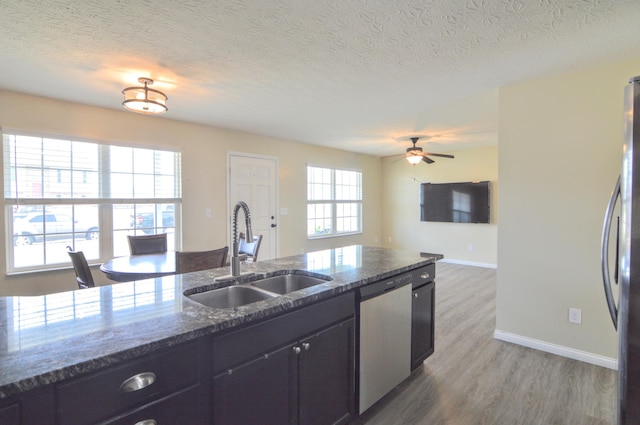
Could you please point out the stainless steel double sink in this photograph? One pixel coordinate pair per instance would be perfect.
(257, 290)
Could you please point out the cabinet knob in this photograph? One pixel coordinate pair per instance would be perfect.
(147, 422)
(425, 275)
(296, 349)
(306, 346)
(415, 295)
(138, 382)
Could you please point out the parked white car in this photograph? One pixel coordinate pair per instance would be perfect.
(30, 228)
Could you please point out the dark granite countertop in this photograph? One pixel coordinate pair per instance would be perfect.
(44, 339)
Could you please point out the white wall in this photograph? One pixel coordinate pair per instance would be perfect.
(401, 202)
(204, 175)
(559, 156)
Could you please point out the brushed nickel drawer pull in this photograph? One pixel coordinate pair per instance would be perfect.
(138, 382)
(147, 422)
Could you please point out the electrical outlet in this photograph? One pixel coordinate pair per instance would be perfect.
(575, 316)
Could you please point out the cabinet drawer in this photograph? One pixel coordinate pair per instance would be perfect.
(179, 408)
(105, 394)
(423, 275)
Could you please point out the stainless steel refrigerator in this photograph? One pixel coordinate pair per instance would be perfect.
(621, 244)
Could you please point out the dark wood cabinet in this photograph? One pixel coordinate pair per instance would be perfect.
(422, 315)
(161, 384)
(326, 369)
(297, 368)
(35, 407)
(262, 391)
(10, 414)
(177, 408)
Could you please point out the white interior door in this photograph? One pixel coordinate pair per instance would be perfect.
(254, 180)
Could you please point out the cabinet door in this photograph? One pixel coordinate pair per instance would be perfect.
(10, 415)
(34, 407)
(327, 376)
(422, 321)
(262, 391)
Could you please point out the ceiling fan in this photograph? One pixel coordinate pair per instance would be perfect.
(415, 154)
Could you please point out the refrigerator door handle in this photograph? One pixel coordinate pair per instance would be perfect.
(616, 272)
(604, 254)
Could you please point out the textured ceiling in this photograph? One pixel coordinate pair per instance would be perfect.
(361, 75)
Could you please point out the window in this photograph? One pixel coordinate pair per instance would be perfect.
(61, 193)
(334, 202)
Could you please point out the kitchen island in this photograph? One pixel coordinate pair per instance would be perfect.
(47, 341)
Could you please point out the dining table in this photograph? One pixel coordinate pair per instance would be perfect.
(137, 267)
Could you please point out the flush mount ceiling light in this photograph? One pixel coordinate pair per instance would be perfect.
(145, 100)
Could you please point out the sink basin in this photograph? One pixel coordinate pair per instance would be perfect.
(230, 296)
(286, 283)
(262, 289)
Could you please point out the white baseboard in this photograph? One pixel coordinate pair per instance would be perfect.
(559, 350)
(469, 263)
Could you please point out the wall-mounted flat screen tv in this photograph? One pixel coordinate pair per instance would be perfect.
(466, 202)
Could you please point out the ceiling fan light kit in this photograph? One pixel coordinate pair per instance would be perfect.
(413, 159)
(415, 154)
(145, 100)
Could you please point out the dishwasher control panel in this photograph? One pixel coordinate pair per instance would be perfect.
(385, 285)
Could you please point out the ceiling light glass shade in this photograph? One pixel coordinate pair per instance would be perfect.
(145, 100)
(414, 159)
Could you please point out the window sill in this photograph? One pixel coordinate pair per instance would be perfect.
(338, 235)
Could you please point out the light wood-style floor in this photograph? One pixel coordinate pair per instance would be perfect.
(474, 379)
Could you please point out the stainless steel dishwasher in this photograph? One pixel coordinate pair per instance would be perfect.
(385, 337)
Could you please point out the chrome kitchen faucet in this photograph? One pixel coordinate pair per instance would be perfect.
(235, 257)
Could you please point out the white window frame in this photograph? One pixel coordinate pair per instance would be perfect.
(334, 201)
(105, 201)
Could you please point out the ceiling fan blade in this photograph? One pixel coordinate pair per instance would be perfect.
(443, 155)
(428, 160)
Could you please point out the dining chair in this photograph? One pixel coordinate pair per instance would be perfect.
(200, 260)
(249, 249)
(84, 278)
(147, 244)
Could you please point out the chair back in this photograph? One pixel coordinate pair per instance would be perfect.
(147, 244)
(84, 278)
(250, 249)
(200, 260)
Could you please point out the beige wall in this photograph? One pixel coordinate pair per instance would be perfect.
(401, 201)
(560, 150)
(204, 155)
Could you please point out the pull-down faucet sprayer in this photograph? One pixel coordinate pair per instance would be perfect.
(235, 257)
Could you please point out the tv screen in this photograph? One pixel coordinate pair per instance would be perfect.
(455, 202)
